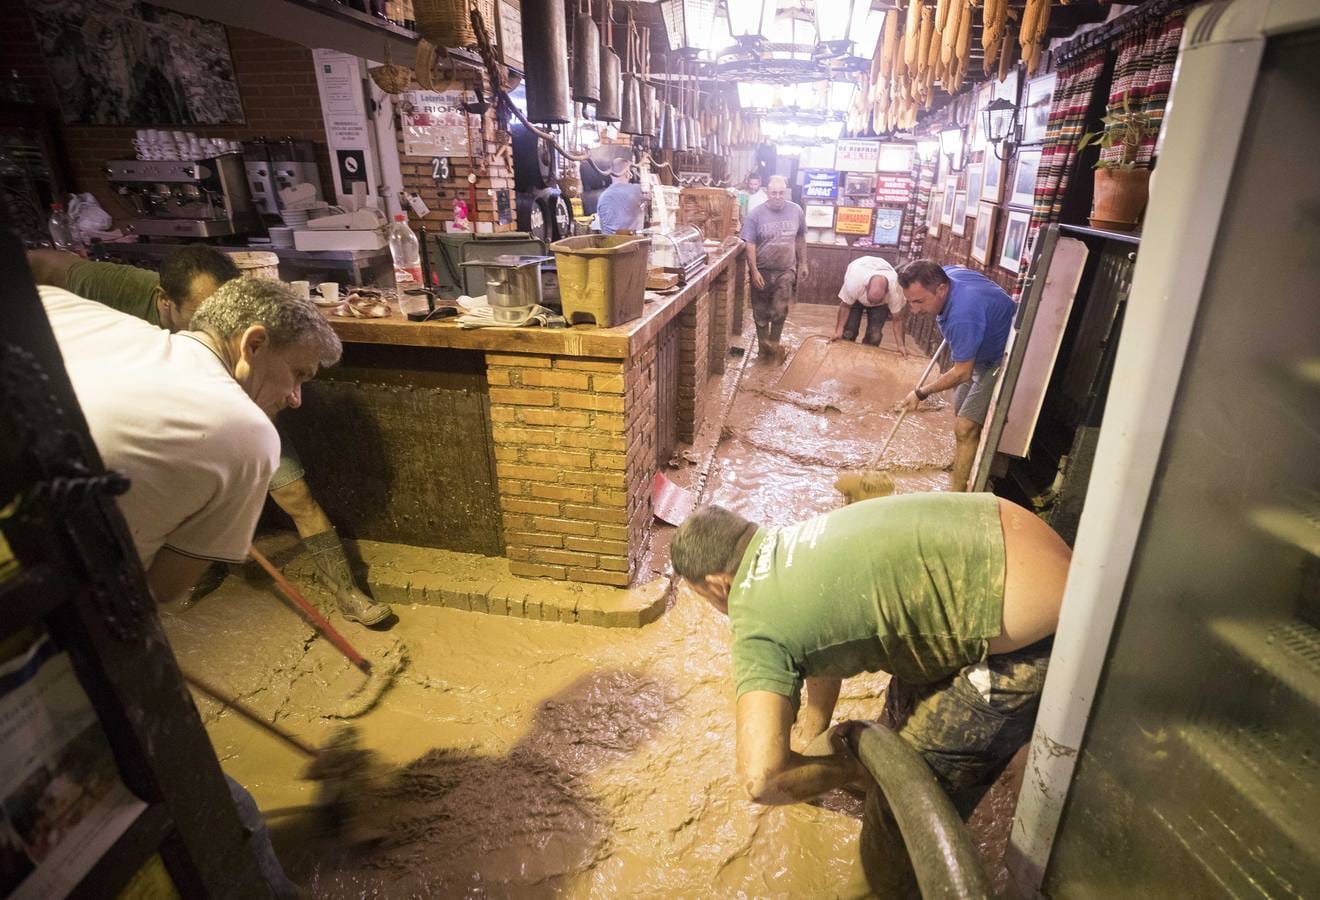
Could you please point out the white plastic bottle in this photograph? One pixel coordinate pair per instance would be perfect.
(406, 252)
(61, 229)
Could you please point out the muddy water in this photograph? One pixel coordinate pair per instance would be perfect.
(524, 758)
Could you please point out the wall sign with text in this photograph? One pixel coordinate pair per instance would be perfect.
(856, 156)
(853, 220)
(820, 185)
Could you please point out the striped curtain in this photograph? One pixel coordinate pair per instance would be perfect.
(1074, 91)
(1144, 73)
(913, 243)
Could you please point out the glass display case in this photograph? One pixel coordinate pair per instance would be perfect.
(681, 251)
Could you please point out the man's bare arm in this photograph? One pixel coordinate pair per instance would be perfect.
(957, 374)
(770, 772)
(840, 320)
(822, 695)
(757, 280)
(172, 574)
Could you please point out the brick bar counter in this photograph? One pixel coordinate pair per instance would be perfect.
(535, 444)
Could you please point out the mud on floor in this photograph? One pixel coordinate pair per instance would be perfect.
(536, 758)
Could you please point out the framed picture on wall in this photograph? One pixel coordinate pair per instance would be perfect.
(1015, 239)
(1023, 189)
(950, 195)
(895, 158)
(992, 177)
(985, 229)
(933, 213)
(960, 213)
(858, 185)
(818, 215)
(888, 226)
(1036, 108)
(975, 172)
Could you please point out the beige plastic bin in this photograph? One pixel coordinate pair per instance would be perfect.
(602, 277)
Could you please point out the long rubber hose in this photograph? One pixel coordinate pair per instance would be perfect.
(943, 856)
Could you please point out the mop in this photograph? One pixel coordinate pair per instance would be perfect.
(873, 481)
(339, 768)
(379, 676)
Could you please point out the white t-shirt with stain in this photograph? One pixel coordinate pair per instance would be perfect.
(858, 276)
(165, 412)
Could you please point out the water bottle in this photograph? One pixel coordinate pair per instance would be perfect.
(61, 229)
(406, 252)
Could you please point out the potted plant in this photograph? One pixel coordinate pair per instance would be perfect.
(1121, 188)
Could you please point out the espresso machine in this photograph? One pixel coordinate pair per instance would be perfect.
(274, 165)
(185, 198)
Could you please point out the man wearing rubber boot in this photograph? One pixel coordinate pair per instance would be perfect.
(954, 595)
(189, 276)
(776, 234)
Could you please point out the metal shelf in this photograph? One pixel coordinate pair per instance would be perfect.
(1127, 237)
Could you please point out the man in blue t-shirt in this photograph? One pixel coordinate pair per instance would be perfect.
(975, 317)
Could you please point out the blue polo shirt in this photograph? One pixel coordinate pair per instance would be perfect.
(977, 317)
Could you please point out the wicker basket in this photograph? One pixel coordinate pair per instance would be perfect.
(446, 23)
(390, 78)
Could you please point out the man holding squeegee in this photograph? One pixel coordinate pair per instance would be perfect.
(975, 316)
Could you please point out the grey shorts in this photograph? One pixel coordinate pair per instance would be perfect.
(290, 468)
(971, 399)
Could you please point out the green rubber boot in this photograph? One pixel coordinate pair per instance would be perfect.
(332, 569)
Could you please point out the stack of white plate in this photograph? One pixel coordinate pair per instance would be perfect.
(295, 218)
(281, 237)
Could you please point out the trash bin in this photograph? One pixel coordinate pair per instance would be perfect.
(602, 277)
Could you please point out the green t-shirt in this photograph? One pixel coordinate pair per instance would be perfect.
(911, 585)
(125, 288)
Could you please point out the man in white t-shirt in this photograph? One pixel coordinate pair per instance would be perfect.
(870, 287)
(187, 416)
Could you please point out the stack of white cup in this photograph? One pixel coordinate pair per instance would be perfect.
(154, 143)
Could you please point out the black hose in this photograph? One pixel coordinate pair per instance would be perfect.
(943, 856)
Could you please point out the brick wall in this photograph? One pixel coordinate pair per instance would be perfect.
(721, 303)
(693, 365)
(493, 169)
(574, 474)
(276, 81)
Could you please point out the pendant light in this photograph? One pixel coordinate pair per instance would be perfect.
(586, 55)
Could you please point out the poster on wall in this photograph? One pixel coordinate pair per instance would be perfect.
(347, 131)
(435, 123)
(852, 220)
(819, 215)
(856, 156)
(893, 188)
(131, 63)
(888, 226)
(820, 185)
(894, 158)
(511, 34)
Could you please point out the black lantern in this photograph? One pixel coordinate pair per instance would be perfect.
(1000, 120)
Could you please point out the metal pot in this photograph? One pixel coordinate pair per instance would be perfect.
(546, 62)
(586, 59)
(610, 107)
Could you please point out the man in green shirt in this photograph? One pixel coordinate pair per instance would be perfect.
(955, 595)
(190, 275)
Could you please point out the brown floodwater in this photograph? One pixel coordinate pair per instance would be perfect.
(522, 758)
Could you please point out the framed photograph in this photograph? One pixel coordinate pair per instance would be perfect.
(895, 158)
(975, 172)
(1036, 108)
(888, 226)
(992, 177)
(960, 213)
(1023, 190)
(818, 215)
(1006, 89)
(950, 195)
(984, 232)
(1015, 239)
(933, 213)
(858, 185)
(976, 137)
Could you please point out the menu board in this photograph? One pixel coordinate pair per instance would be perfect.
(856, 156)
(820, 184)
(852, 220)
(895, 189)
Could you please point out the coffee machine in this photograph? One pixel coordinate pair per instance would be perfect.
(274, 165)
(185, 198)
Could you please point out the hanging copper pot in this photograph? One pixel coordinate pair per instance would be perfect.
(610, 107)
(586, 59)
(630, 118)
(546, 61)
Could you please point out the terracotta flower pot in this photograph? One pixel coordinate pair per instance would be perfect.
(1120, 198)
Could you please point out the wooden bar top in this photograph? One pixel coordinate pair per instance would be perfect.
(620, 342)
